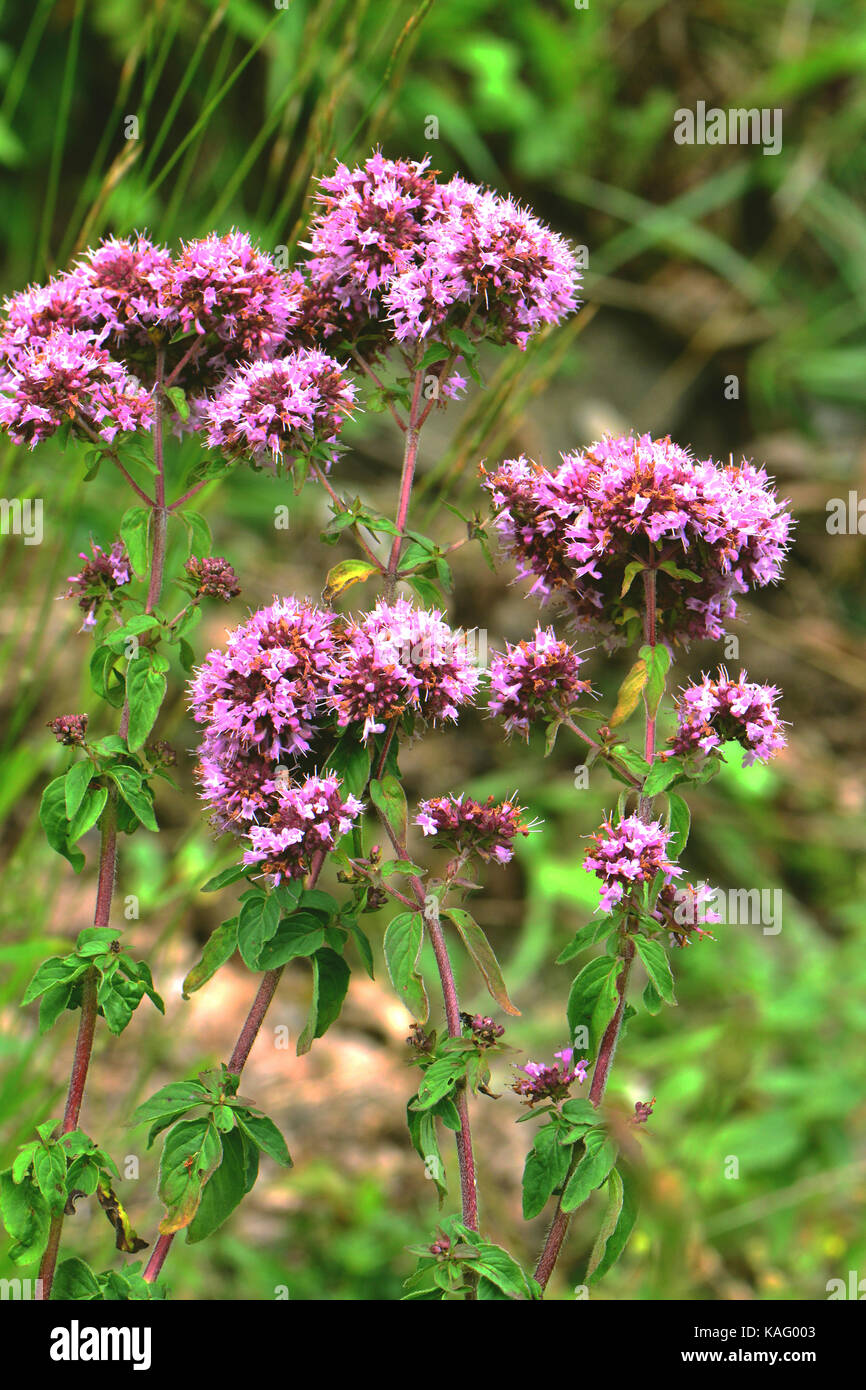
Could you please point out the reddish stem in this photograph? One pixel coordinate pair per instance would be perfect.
(410, 456)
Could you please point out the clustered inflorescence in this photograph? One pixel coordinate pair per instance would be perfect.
(274, 701)
(709, 531)
(628, 854)
(487, 828)
(713, 712)
(534, 680)
(541, 1082)
(102, 574)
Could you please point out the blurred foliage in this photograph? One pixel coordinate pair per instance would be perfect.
(705, 262)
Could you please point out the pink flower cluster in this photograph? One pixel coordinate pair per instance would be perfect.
(713, 712)
(486, 261)
(103, 572)
(389, 241)
(263, 693)
(282, 407)
(68, 379)
(398, 658)
(486, 828)
(711, 532)
(542, 1082)
(305, 819)
(534, 680)
(273, 701)
(627, 854)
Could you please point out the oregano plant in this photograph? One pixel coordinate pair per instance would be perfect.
(305, 710)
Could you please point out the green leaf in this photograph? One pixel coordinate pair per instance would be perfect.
(88, 813)
(192, 1150)
(680, 822)
(54, 821)
(77, 781)
(177, 396)
(629, 692)
(652, 1000)
(226, 1187)
(198, 533)
(136, 794)
(257, 922)
(219, 948)
(54, 971)
(579, 1112)
(657, 660)
(481, 952)
(652, 953)
(389, 798)
(227, 876)
(178, 1096)
(618, 1239)
(632, 568)
(598, 1159)
(605, 1007)
(107, 683)
(330, 982)
(501, 1269)
(75, 1280)
(608, 1224)
(351, 761)
(661, 774)
(402, 949)
(49, 1170)
(302, 934)
(26, 1216)
(545, 1169)
(134, 532)
(145, 691)
(439, 1080)
(594, 930)
(346, 573)
(585, 991)
(678, 572)
(265, 1135)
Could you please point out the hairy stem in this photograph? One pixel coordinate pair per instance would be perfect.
(410, 456)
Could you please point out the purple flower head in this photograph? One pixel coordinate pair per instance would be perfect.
(121, 282)
(401, 658)
(710, 531)
(626, 855)
(68, 378)
(488, 262)
(485, 828)
(103, 572)
(541, 1082)
(237, 787)
(213, 577)
(280, 408)
(534, 680)
(305, 819)
(264, 693)
(368, 226)
(222, 285)
(713, 712)
(40, 311)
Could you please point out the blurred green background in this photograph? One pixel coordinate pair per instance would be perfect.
(704, 263)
